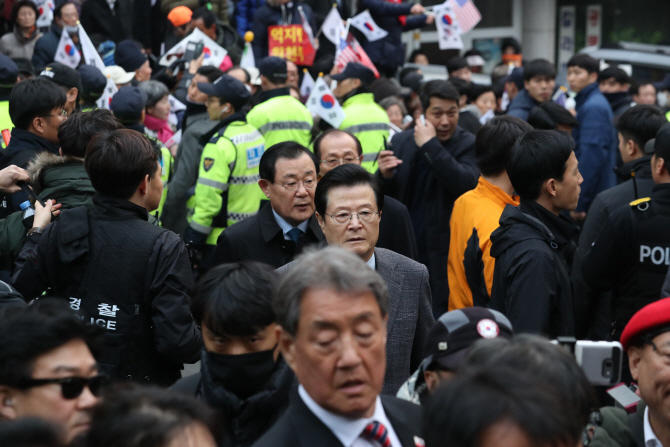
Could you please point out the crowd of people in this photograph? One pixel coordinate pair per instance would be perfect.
(392, 281)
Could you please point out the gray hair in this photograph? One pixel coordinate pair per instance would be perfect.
(327, 268)
(154, 90)
(386, 103)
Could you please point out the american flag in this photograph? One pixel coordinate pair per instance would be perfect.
(467, 13)
(350, 50)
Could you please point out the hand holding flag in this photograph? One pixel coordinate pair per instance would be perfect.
(368, 27)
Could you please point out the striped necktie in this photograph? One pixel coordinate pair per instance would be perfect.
(375, 431)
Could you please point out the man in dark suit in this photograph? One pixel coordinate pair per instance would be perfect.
(335, 147)
(333, 313)
(286, 226)
(349, 206)
(428, 169)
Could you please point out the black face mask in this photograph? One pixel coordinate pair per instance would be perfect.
(243, 375)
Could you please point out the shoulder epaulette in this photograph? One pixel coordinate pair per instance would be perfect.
(638, 201)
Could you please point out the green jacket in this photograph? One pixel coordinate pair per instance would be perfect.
(370, 123)
(52, 177)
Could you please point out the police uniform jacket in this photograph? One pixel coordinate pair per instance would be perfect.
(280, 117)
(55, 260)
(631, 255)
(531, 282)
(428, 182)
(260, 238)
(592, 315)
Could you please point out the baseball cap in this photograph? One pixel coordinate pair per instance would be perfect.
(662, 142)
(515, 76)
(454, 332)
(227, 87)
(273, 66)
(62, 75)
(128, 55)
(119, 75)
(254, 75)
(412, 80)
(356, 70)
(128, 103)
(650, 321)
(93, 82)
(9, 71)
(663, 85)
(180, 15)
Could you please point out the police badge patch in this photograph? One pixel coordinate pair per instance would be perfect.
(207, 164)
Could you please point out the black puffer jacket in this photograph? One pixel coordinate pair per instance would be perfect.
(531, 280)
(246, 421)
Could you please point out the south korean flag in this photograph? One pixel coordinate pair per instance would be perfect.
(322, 102)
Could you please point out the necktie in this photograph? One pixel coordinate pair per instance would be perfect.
(294, 234)
(375, 431)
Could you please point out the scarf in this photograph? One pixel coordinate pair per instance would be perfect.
(161, 127)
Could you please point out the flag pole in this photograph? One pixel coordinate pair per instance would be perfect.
(321, 29)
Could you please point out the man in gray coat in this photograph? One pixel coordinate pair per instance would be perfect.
(349, 204)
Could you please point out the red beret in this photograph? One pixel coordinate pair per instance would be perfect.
(651, 316)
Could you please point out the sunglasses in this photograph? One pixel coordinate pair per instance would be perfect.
(71, 387)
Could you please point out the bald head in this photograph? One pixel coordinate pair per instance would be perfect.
(336, 147)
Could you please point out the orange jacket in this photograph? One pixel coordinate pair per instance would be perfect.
(470, 267)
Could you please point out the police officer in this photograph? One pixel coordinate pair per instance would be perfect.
(93, 84)
(632, 253)
(9, 74)
(227, 190)
(364, 118)
(279, 116)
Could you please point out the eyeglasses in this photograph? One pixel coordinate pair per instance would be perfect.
(62, 114)
(292, 186)
(332, 162)
(70, 387)
(363, 216)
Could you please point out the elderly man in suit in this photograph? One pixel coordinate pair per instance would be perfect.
(335, 147)
(282, 229)
(333, 314)
(349, 204)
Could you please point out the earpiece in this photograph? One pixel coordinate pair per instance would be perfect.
(8, 402)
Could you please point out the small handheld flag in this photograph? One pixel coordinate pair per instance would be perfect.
(368, 27)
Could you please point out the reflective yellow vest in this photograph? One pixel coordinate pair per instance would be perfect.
(227, 190)
(282, 118)
(370, 123)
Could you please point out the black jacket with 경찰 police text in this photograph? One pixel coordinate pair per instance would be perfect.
(531, 280)
(631, 255)
(124, 274)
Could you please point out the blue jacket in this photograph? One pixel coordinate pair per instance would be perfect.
(389, 53)
(595, 144)
(522, 104)
(244, 14)
(267, 15)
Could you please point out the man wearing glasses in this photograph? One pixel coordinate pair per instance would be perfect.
(335, 147)
(47, 369)
(349, 204)
(282, 229)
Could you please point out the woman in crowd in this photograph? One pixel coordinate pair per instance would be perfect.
(21, 41)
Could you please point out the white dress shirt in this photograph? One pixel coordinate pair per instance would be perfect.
(371, 262)
(650, 438)
(348, 431)
(286, 227)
